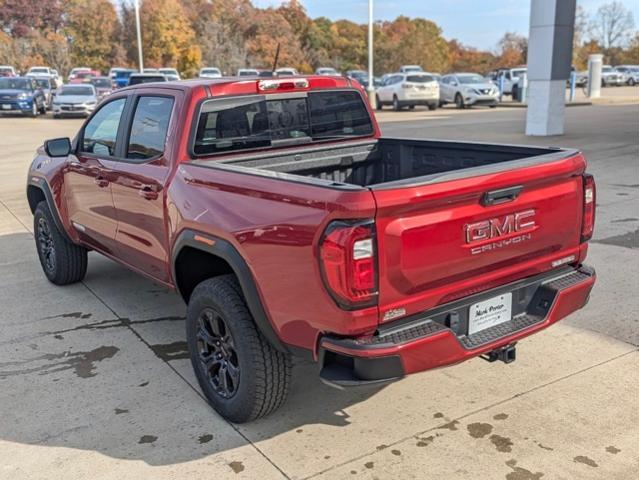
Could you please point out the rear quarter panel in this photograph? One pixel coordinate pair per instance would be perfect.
(275, 225)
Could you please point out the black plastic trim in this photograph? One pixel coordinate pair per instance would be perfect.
(344, 371)
(223, 249)
(41, 183)
(536, 297)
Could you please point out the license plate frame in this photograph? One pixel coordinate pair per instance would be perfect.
(490, 312)
(6, 106)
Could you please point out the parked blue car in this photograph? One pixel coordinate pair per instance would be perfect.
(22, 95)
(120, 78)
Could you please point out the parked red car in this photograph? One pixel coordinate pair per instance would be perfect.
(290, 226)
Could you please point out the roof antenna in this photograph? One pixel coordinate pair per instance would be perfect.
(277, 57)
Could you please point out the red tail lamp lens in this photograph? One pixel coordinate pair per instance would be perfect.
(349, 263)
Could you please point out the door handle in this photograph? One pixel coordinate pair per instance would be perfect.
(101, 182)
(148, 192)
(504, 195)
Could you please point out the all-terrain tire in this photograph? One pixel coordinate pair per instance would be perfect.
(63, 262)
(263, 372)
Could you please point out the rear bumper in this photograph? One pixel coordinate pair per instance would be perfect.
(418, 101)
(438, 338)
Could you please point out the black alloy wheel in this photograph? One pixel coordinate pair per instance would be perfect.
(46, 246)
(217, 353)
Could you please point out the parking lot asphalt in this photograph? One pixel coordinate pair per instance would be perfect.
(95, 381)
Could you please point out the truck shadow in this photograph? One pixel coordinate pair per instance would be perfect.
(102, 366)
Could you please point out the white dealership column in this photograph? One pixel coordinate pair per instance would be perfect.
(552, 24)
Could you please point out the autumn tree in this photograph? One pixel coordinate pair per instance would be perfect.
(467, 59)
(91, 27)
(222, 29)
(168, 38)
(412, 41)
(512, 50)
(270, 30)
(18, 18)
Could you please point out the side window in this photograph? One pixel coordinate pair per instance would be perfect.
(102, 130)
(150, 124)
(446, 80)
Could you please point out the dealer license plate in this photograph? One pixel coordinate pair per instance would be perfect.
(490, 312)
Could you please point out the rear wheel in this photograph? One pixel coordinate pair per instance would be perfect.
(396, 106)
(63, 262)
(432, 106)
(459, 101)
(411, 107)
(241, 374)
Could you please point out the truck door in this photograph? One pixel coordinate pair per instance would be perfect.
(86, 180)
(138, 182)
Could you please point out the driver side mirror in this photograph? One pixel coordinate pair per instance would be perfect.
(58, 147)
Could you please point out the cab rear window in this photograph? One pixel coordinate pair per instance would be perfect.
(260, 121)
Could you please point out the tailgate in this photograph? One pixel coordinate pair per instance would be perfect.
(442, 241)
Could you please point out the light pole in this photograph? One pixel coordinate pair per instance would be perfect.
(371, 86)
(139, 33)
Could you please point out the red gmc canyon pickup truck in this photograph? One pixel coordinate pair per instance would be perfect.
(290, 226)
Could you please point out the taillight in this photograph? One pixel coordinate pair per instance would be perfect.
(590, 199)
(349, 264)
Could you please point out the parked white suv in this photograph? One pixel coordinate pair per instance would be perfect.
(407, 90)
(467, 89)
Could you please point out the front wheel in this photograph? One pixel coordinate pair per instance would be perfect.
(34, 110)
(63, 262)
(459, 101)
(378, 103)
(432, 106)
(241, 374)
(631, 82)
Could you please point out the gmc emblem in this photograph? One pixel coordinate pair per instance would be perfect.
(500, 226)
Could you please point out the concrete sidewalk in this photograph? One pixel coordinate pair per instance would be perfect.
(95, 381)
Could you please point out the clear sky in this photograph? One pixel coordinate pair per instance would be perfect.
(473, 22)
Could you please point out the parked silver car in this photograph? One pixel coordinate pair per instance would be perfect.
(75, 99)
(631, 72)
(611, 77)
(468, 89)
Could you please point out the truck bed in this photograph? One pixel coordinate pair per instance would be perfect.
(391, 162)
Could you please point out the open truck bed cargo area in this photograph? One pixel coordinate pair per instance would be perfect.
(394, 162)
